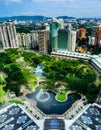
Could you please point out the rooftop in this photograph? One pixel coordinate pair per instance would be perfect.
(89, 119)
(97, 61)
(54, 124)
(14, 117)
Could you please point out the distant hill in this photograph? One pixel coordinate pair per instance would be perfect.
(24, 18)
(37, 18)
(65, 17)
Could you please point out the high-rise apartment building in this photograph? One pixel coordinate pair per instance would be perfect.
(28, 39)
(8, 37)
(43, 41)
(24, 39)
(96, 34)
(19, 39)
(71, 40)
(91, 41)
(61, 22)
(62, 39)
(81, 33)
(93, 36)
(54, 27)
(34, 39)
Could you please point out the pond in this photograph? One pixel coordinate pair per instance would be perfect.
(46, 101)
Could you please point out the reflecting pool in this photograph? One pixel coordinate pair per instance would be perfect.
(47, 103)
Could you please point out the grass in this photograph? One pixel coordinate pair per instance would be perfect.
(62, 96)
(16, 101)
(1, 95)
(32, 86)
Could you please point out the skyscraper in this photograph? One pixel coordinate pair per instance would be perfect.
(98, 36)
(62, 39)
(81, 33)
(96, 33)
(71, 40)
(8, 37)
(25, 39)
(54, 27)
(91, 41)
(43, 41)
(34, 39)
(28, 39)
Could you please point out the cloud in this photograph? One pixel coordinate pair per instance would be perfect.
(7, 2)
(14, 1)
(37, 0)
(28, 13)
(54, 0)
(62, 0)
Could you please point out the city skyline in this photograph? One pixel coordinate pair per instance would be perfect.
(51, 8)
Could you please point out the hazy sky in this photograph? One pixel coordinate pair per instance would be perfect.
(76, 8)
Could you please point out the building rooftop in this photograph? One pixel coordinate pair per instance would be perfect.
(14, 117)
(54, 124)
(89, 119)
(97, 61)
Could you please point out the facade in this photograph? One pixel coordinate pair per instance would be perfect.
(43, 41)
(28, 39)
(71, 40)
(91, 41)
(62, 39)
(96, 33)
(98, 39)
(34, 39)
(61, 22)
(54, 27)
(81, 33)
(8, 37)
(19, 39)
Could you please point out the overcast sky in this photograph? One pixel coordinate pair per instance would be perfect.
(53, 8)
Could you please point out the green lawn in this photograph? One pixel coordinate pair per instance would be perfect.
(62, 96)
(16, 101)
(1, 95)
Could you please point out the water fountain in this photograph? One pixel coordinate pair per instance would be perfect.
(42, 96)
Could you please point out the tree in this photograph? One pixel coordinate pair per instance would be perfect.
(90, 77)
(2, 84)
